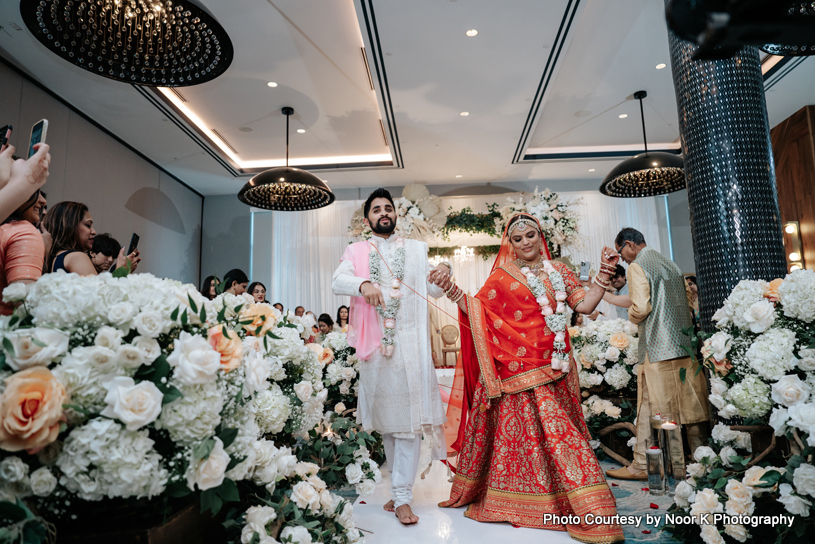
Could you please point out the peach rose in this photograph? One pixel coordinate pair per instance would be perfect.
(619, 340)
(228, 344)
(722, 367)
(771, 292)
(30, 410)
(326, 356)
(258, 315)
(587, 363)
(574, 331)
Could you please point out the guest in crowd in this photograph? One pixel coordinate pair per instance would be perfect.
(659, 304)
(71, 227)
(279, 306)
(577, 320)
(235, 282)
(258, 292)
(618, 293)
(342, 319)
(694, 293)
(326, 325)
(208, 288)
(21, 247)
(19, 179)
(299, 311)
(104, 252)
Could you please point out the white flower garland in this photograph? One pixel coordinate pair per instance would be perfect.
(392, 307)
(555, 319)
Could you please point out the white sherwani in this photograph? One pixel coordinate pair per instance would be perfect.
(399, 395)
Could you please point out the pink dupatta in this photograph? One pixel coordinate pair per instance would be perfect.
(364, 333)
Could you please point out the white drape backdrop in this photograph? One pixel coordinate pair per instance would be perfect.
(295, 253)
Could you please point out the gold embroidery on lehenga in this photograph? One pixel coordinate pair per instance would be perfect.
(497, 324)
(521, 352)
(492, 294)
(518, 315)
(513, 366)
(514, 285)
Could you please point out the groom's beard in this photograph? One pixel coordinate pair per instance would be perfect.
(379, 228)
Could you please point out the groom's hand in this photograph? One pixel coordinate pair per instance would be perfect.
(373, 296)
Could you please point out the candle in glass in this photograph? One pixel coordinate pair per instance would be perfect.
(671, 442)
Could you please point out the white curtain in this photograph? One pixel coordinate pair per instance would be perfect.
(295, 253)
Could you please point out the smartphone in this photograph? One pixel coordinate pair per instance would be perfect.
(585, 269)
(38, 132)
(5, 134)
(134, 243)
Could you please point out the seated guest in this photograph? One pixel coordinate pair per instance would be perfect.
(258, 292)
(279, 306)
(694, 293)
(235, 282)
(299, 311)
(618, 294)
(21, 248)
(326, 325)
(104, 252)
(208, 287)
(71, 227)
(342, 319)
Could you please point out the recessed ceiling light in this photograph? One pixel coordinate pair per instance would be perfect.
(623, 115)
(661, 65)
(464, 113)
(458, 175)
(272, 84)
(301, 131)
(472, 32)
(246, 129)
(591, 169)
(789, 229)
(794, 256)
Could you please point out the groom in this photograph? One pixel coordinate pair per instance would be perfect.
(388, 326)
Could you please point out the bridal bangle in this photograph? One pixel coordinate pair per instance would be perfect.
(454, 293)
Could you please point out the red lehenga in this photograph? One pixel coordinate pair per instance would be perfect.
(518, 426)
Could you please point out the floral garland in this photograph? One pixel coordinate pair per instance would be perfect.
(389, 312)
(555, 319)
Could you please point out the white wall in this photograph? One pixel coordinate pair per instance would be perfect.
(124, 192)
(225, 243)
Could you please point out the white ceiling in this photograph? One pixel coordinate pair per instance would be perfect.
(541, 76)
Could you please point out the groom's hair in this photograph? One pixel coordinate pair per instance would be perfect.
(379, 193)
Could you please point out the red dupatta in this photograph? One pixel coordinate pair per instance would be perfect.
(506, 345)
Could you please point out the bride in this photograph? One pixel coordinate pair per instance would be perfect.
(522, 441)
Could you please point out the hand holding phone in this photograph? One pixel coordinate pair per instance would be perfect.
(134, 243)
(585, 270)
(38, 132)
(5, 134)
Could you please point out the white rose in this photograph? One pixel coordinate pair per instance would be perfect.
(696, 470)
(257, 371)
(723, 433)
(339, 407)
(778, 421)
(345, 388)
(683, 494)
(707, 501)
(130, 357)
(739, 498)
(702, 452)
(346, 518)
(149, 323)
(285, 462)
(711, 535)
(790, 390)
(717, 386)
(366, 487)
(760, 316)
(348, 373)
(208, 473)
(36, 347)
(194, 360)
(108, 337)
(43, 482)
(804, 479)
(802, 416)
(317, 483)
(15, 292)
(738, 532)
(725, 454)
(304, 495)
(121, 314)
(134, 405)
(305, 470)
(612, 354)
(258, 517)
(717, 401)
(303, 390)
(149, 348)
(753, 477)
(744, 441)
(719, 345)
(298, 534)
(807, 360)
(728, 411)
(13, 469)
(794, 505)
(353, 473)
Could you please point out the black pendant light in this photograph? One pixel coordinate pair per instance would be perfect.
(164, 43)
(646, 174)
(284, 188)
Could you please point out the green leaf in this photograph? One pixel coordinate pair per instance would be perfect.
(193, 305)
(210, 501)
(184, 318)
(203, 449)
(171, 393)
(235, 462)
(794, 462)
(682, 373)
(174, 315)
(228, 436)
(228, 491)
(9, 347)
(11, 513)
(769, 478)
(716, 473)
(274, 336)
(698, 370)
(77, 408)
(203, 315)
(38, 342)
(120, 272)
(720, 483)
(178, 489)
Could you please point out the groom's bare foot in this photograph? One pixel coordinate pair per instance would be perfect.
(388, 506)
(406, 515)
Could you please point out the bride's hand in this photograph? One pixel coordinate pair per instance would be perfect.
(609, 256)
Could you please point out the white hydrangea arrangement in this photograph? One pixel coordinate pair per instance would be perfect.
(762, 368)
(558, 218)
(606, 354)
(341, 376)
(147, 390)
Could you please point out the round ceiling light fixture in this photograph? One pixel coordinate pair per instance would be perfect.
(646, 174)
(158, 43)
(285, 188)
